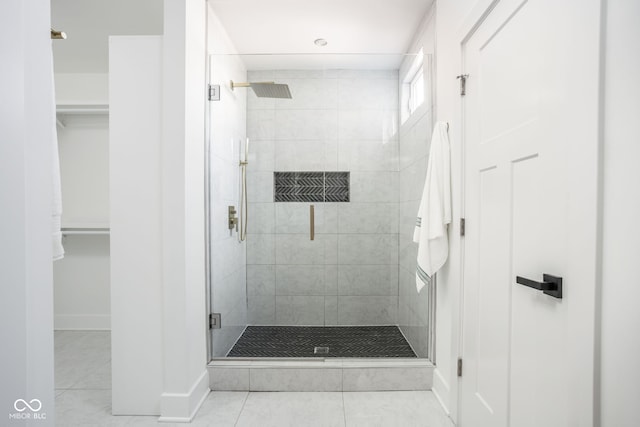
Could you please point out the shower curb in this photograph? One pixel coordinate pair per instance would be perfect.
(319, 374)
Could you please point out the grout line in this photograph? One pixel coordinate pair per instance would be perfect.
(344, 407)
(244, 402)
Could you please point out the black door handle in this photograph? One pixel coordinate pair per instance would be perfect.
(551, 285)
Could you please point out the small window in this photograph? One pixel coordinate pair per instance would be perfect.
(413, 87)
(416, 91)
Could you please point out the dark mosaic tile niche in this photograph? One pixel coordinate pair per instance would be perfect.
(311, 186)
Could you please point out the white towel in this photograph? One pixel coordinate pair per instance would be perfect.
(56, 205)
(434, 213)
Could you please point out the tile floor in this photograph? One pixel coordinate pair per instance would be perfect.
(83, 398)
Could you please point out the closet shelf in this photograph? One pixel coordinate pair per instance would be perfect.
(82, 109)
(79, 113)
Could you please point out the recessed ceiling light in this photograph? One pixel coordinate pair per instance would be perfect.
(320, 42)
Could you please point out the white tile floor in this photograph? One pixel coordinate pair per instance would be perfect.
(83, 398)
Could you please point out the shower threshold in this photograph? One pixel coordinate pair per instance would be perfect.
(322, 341)
(341, 358)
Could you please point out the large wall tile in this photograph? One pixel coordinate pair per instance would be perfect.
(261, 280)
(412, 180)
(261, 124)
(261, 218)
(368, 155)
(262, 310)
(416, 140)
(261, 156)
(229, 379)
(306, 155)
(293, 218)
(310, 93)
(407, 218)
(380, 379)
(368, 94)
(367, 310)
(300, 280)
(296, 379)
(408, 254)
(368, 218)
(227, 256)
(374, 187)
(368, 249)
(372, 280)
(306, 279)
(306, 124)
(300, 310)
(330, 310)
(380, 125)
(260, 186)
(260, 249)
(298, 249)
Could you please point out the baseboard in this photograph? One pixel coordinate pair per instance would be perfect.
(440, 387)
(75, 322)
(183, 407)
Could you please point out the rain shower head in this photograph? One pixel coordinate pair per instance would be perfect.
(266, 89)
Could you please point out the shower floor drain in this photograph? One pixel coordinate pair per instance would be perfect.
(320, 350)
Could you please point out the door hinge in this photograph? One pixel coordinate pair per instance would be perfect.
(459, 367)
(463, 83)
(215, 321)
(214, 93)
(463, 226)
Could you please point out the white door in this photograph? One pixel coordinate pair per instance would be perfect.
(518, 350)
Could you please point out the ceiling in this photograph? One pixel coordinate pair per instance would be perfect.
(260, 27)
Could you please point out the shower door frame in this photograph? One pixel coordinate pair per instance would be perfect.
(208, 134)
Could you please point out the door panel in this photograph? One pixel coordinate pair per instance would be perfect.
(513, 342)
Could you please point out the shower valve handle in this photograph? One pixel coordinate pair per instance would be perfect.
(233, 219)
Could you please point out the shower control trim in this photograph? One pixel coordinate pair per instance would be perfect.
(233, 218)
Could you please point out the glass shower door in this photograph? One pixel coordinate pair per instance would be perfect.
(226, 253)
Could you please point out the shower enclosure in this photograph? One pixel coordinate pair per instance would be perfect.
(333, 180)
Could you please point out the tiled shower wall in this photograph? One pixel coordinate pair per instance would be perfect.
(414, 309)
(338, 120)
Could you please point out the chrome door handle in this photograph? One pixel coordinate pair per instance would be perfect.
(551, 285)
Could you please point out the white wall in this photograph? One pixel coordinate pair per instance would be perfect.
(26, 148)
(82, 88)
(157, 99)
(620, 374)
(449, 18)
(82, 284)
(227, 137)
(136, 245)
(185, 379)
